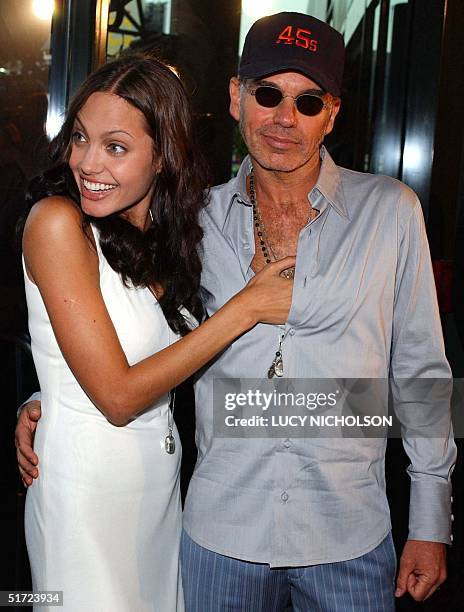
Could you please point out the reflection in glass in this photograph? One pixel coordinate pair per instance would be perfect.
(24, 66)
(134, 21)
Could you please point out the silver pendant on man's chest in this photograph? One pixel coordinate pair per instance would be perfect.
(277, 366)
(276, 369)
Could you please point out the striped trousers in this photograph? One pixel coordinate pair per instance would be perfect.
(215, 583)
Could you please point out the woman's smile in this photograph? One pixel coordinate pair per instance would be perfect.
(93, 190)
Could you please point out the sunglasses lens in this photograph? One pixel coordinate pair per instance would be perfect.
(309, 105)
(268, 96)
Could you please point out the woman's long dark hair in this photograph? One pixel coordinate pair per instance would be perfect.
(167, 253)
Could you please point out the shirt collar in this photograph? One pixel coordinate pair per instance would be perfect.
(329, 183)
(239, 187)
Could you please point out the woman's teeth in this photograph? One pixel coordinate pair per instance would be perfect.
(97, 186)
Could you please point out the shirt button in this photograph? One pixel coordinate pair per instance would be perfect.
(287, 443)
(452, 517)
(284, 496)
(291, 332)
(451, 537)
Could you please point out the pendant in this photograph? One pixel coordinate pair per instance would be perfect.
(279, 367)
(170, 444)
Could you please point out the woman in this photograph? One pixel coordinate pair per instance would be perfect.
(112, 280)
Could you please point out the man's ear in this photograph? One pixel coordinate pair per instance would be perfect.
(234, 91)
(333, 114)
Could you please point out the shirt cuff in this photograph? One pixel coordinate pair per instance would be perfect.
(430, 517)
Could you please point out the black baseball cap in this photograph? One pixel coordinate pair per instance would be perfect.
(294, 42)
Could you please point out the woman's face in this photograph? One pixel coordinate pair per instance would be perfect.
(113, 159)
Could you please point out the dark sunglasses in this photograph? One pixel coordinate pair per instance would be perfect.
(270, 97)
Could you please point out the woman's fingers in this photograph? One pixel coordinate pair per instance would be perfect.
(282, 264)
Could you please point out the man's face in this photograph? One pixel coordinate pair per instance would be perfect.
(281, 138)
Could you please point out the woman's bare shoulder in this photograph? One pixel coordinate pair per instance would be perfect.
(55, 213)
(55, 225)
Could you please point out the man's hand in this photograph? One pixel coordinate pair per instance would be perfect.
(422, 569)
(24, 439)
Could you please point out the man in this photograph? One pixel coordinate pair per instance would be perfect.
(266, 519)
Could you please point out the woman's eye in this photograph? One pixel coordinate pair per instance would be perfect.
(78, 137)
(116, 148)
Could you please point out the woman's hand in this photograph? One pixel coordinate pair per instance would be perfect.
(268, 295)
(62, 261)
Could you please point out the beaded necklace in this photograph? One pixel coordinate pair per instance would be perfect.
(264, 242)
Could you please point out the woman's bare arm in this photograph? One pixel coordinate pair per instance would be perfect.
(61, 261)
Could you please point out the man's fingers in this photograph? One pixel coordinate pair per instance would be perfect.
(422, 588)
(411, 582)
(431, 592)
(34, 414)
(26, 451)
(25, 479)
(404, 575)
(33, 410)
(427, 585)
(27, 467)
(26, 463)
(24, 439)
(440, 581)
(422, 569)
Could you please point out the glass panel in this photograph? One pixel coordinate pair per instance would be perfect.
(134, 21)
(388, 133)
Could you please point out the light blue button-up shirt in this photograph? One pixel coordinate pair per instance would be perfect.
(364, 305)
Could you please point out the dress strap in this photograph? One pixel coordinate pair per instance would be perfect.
(102, 263)
(96, 235)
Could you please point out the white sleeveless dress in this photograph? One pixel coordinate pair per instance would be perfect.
(103, 520)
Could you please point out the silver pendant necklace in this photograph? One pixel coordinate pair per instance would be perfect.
(169, 441)
(277, 366)
(263, 238)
